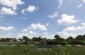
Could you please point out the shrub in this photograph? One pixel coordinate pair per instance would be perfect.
(55, 43)
(76, 42)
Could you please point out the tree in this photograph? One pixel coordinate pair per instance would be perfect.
(8, 39)
(39, 38)
(80, 37)
(36, 38)
(58, 38)
(69, 39)
(43, 42)
(20, 39)
(13, 39)
(84, 36)
(5, 39)
(25, 38)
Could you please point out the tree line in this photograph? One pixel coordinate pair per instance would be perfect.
(80, 39)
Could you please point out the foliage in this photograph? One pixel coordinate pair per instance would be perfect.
(27, 50)
(36, 38)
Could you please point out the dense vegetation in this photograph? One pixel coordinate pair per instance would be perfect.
(80, 39)
(43, 46)
(55, 50)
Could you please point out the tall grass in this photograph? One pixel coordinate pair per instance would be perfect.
(27, 50)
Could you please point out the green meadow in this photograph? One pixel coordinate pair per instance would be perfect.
(34, 50)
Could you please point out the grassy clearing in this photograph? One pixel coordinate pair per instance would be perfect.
(27, 50)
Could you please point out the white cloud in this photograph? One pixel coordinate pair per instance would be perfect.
(23, 11)
(11, 3)
(9, 35)
(29, 34)
(30, 8)
(30, 31)
(35, 27)
(67, 19)
(20, 35)
(46, 35)
(83, 24)
(77, 28)
(38, 26)
(72, 31)
(7, 11)
(60, 3)
(6, 28)
(65, 34)
(83, 0)
(80, 5)
(33, 33)
(53, 15)
(26, 29)
(72, 28)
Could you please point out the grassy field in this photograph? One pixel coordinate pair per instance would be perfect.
(28, 50)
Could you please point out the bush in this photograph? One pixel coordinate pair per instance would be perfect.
(55, 43)
(24, 43)
(76, 42)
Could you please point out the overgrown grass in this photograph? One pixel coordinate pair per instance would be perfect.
(27, 50)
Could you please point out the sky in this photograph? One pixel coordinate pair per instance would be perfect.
(45, 18)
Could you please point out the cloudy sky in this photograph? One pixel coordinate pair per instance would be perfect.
(44, 18)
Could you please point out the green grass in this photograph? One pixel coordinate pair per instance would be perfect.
(27, 50)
